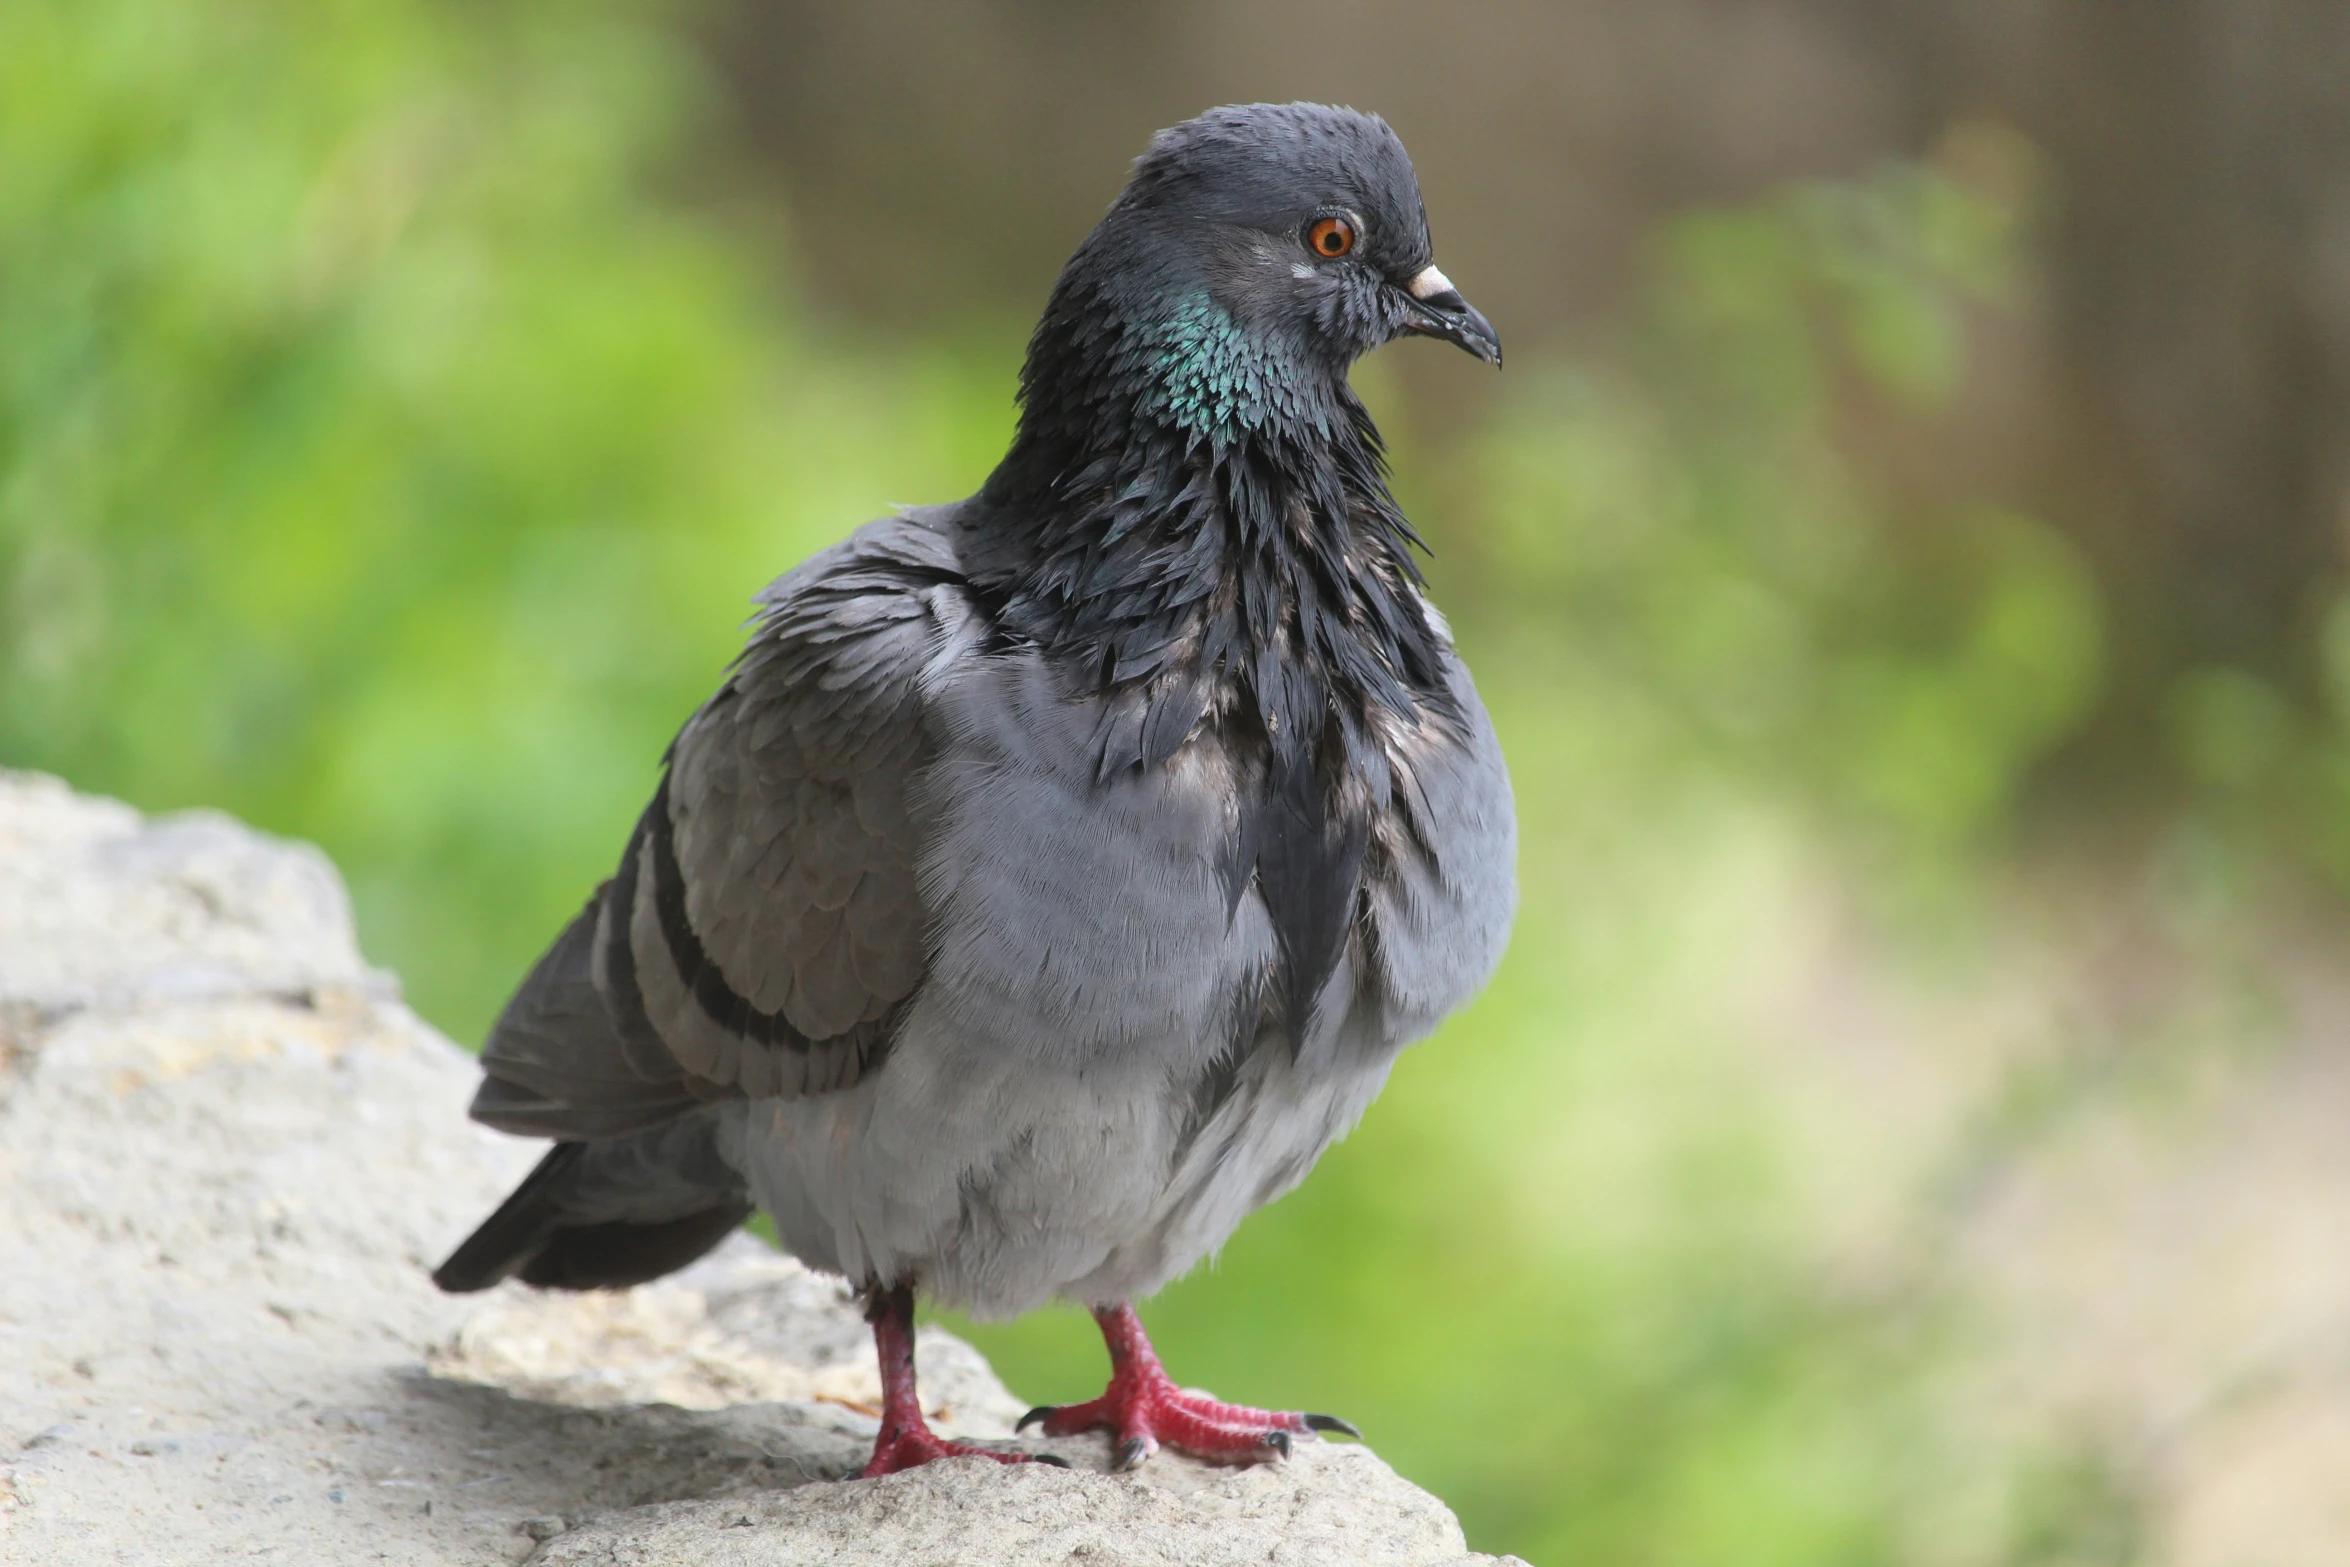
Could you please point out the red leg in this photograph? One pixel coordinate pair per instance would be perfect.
(1143, 1408)
(906, 1438)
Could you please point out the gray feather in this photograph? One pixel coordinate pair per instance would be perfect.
(971, 1010)
(555, 1064)
(1091, 1087)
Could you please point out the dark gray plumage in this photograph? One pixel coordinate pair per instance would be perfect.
(1058, 872)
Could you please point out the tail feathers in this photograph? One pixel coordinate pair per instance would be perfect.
(518, 1231)
(616, 1255)
(607, 1215)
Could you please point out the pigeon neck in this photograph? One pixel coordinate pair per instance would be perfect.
(1193, 369)
(1197, 517)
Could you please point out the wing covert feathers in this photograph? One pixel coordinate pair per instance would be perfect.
(766, 923)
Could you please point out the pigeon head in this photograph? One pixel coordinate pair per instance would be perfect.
(1255, 253)
(1194, 511)
(1303, 223)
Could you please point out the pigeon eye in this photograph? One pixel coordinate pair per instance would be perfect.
(1331, 237)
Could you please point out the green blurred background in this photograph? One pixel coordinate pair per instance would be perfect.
(1904, 559)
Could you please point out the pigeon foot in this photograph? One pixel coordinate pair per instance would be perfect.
(1143, 1409)
(906, 1440)
(914, 1446)
(1144, 1418)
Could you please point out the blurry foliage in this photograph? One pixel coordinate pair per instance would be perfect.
(385, 459)
(377, 460)
(2079, 1509)
(1691, 523)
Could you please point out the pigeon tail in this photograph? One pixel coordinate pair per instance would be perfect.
(606, 1215)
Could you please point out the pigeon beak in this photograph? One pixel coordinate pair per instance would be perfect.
(1439, 311)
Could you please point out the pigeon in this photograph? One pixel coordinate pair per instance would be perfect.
(1058, 872)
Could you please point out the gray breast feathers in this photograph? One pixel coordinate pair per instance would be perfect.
(1443, 889)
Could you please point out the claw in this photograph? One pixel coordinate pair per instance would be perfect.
(1333, 1423)
(1143, 1408)
(1040, 1412)
(1050, 1460)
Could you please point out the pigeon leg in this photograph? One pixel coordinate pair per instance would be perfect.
(1143, 1408)
(906, 1439)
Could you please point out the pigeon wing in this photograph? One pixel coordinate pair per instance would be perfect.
(766, 925)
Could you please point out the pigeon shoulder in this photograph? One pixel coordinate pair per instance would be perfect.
(901, 556)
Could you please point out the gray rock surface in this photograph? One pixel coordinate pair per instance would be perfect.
(228, 1157)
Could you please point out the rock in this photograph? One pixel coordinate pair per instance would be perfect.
(230, 1158)
(1333, 1505)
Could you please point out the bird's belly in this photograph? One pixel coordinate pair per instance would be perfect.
(1084, 1098)
(997, 1190)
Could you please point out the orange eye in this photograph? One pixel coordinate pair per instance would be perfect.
(1331, 237)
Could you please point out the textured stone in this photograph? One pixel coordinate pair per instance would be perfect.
(230, 1157)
